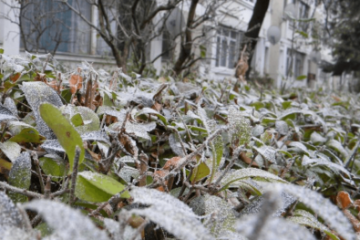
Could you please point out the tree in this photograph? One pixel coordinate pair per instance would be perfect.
(343, 28)
(254, 27)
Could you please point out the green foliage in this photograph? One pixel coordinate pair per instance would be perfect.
(238, 158)
(95, 187)
(68, 137)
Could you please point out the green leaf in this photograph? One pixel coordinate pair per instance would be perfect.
(302, 33)
(1, 50)
(77, 120)
(67, 136)
(200, 172)
(301, 77)
(89, 118)
(218, 149)
(147, 110)
(286, 105)
(23, 133)
(20, 176)
(52, 166)
(96, 187)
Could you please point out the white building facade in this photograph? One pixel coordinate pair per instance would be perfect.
(291, 58)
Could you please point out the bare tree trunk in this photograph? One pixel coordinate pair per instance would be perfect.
(186, 47)
(252, 34)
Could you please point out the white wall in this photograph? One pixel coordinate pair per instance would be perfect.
(9, 32)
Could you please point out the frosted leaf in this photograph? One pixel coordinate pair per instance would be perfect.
(238, 126)
(139, 130)
(300, 146)
(52, 146)
(120, 115)
(329, 212)
(273, 229)
(337, 146)
(125, 159)
(316, 138)
(203, 117)
(197, 205)
(66, 222)
(222, 214)
(11, 150)
(256, 205)
(9, 214)
(319, 161)
(174, 220)
(13, 233)
(9, 103)
(144, 99)
(175, 145)
(269, 153)
(282, 127)
(247, 173)
(20, 176)
(307, 219)
(96, 136)
(6, 114)
(126, 173)
(147, 110)
(257, 130)
(37, 93)
(288, 112)
(154, 197)
(114, 229)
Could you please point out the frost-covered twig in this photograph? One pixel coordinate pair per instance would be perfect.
(25, 192)
(74, 175)
(115, 197)
(229, 166)
(47, 189)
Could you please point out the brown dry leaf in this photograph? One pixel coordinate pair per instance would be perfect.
(247, 159)
(336, 98)
(157, 106)
(75, 83)
(171, 163)
(40, 77)
(158, 175)
(357, 204)
(343, 200)
(15, 77)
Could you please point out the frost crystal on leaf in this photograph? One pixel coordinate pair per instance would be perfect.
(20, 176)
(273, 229)
(326, 210)
(67, 223)
(170, 213)
(238, 125)
(247, 173)
(37, 93)
(222, 214)
(9, 214)
(155, 197)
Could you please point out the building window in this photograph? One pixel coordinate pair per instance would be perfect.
(227, 47)
(294, 63)
(167, 46)
(302, 13)
(50, 26)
